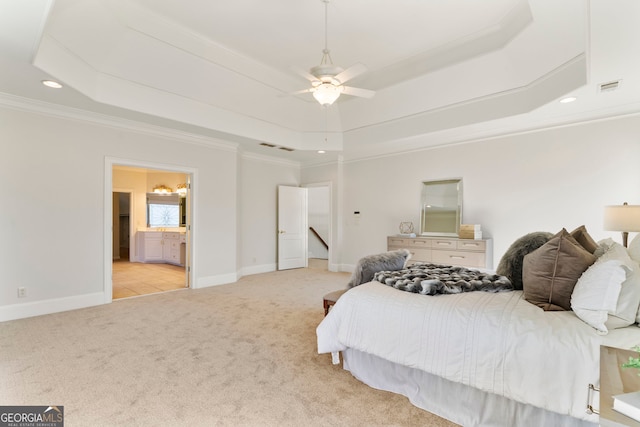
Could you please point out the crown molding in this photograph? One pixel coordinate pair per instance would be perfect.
(69, 113)
(268, 159)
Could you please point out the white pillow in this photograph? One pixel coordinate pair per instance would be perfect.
(607, 295)
(596, 293)
(634, 249)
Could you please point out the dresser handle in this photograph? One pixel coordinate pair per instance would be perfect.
(456, 256)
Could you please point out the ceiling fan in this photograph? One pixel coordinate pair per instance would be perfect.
(327, 80)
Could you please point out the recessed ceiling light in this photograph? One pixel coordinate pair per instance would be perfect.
(568, 99)
(321, 151)
(51, 83)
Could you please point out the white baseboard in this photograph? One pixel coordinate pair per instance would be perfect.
(56, 305)
(223, 279)
(346, 267)
(258, 269)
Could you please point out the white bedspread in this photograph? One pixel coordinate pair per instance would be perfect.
(497, 342)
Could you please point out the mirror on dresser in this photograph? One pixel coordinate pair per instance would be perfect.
(441, 207)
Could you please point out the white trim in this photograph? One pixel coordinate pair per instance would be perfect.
(69, 113)
(258, 269)
(464, 136)
(268, 159)
(56, 305)
(347, 268)
(221, 279)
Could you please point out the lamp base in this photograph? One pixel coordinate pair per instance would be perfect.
(625, 238)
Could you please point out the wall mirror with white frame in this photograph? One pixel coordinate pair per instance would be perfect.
(441, 207)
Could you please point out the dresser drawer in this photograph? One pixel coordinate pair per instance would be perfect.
(444, 244)
(445, 250)
(467, 259)
(397, 243)
(471, 245)
(420, 244)
(420, 255)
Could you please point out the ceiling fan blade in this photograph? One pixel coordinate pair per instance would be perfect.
(355, 91)
(307, 75)
(298, 92)
(351, 72)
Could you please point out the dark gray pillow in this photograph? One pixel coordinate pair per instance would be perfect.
(370, 265)
(511, 263)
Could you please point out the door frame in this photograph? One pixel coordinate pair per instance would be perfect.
(329, 186)
(192, 177)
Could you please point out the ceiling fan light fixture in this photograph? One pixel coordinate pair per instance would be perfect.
(326, 93)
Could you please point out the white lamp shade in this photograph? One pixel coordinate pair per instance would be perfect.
(622, 218)
(326, 93)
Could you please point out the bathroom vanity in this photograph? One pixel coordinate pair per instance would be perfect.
(162, 246)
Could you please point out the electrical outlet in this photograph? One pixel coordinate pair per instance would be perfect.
(22, 292)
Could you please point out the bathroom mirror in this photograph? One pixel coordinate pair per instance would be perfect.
(441, 204)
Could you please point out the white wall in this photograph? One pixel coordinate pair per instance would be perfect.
(513, 185)
(318, 218)
(259, 180)
(53, 227)
(331, 174)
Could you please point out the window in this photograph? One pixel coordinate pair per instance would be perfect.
(163, 210)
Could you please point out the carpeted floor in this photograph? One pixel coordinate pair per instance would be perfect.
(235, 355)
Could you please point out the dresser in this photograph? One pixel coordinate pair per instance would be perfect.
(445, 250)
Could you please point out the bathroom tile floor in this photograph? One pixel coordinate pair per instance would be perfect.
(133, 278)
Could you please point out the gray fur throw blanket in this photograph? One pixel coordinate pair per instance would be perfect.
(371, 264)
(432, 279)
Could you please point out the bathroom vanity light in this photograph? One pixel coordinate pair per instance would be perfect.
(162, 189)
(181, 189)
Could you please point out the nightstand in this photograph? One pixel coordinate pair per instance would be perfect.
(616, 380)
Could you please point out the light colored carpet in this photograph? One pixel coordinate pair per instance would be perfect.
(239, 355)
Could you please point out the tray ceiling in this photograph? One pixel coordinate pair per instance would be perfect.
(443, 72)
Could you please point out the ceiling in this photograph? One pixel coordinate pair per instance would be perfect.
(443, 71)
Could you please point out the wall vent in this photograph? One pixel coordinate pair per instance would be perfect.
(609, 86)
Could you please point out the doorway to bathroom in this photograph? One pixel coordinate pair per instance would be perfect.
(150, 231)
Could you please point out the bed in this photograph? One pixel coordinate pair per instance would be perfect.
(489, 358)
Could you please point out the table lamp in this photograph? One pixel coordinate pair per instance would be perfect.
(624, 218)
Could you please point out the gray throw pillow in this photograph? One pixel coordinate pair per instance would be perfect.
(370, 265)
(511, 263)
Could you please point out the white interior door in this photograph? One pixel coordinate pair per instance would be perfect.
(292, 227)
